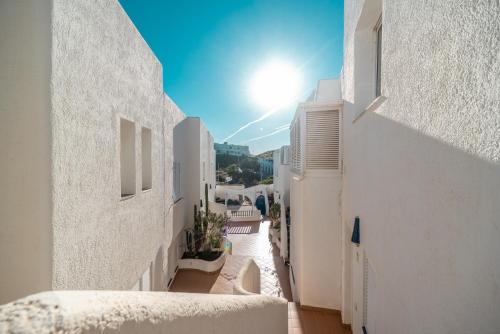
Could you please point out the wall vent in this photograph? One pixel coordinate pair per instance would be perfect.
(296, 149)
(322, 139)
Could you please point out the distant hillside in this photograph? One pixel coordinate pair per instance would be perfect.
(266, 155)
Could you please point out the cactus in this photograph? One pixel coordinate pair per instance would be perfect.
(208, 227)
(206, 199)
(198, 229)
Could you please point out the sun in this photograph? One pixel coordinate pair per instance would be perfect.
(275, 85)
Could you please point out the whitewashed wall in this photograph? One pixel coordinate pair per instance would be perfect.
(126, 312)
(192, 148)
(66, 225)
(422, 171)
(25, 197)
(174, 212)
(102, 70)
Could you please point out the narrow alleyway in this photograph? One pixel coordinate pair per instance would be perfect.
(250, 239)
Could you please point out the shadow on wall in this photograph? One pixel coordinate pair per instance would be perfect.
(430, 227)
(159, 276)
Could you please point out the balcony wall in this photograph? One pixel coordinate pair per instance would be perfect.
(144, 312)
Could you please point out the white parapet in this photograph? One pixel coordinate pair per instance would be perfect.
(143, 312)
(203, 265)
(248, 280)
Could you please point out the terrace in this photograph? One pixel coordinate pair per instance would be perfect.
(251, 240)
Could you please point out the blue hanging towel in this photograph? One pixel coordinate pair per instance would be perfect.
(355, 232)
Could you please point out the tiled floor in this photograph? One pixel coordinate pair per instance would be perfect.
(303, 321)
(250, 239)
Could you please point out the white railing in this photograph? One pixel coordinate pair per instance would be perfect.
(143, 312)
(244, 215)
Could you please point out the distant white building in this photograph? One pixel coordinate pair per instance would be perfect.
(194, 168)
(231, 149)
(281, 187)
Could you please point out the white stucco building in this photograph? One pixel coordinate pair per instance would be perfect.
(92, 195)
(315, 189)
(194, 167)
(418, 165)
(232, 149)
(281, 188)
(85, 185)
(99, 170)
(422, 171)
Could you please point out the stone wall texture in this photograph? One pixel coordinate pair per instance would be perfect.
(103, 70)
(422, 171)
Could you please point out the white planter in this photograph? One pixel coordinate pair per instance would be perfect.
(203, 265)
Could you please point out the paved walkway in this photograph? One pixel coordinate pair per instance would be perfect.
(250, 239)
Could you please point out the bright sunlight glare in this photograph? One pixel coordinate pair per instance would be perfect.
(277, 84)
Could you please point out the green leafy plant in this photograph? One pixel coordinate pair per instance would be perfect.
(216, 223)
(268, 180)
(208, 227)
(275, 215)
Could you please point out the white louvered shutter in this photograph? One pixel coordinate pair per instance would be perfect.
(296, 149)
(322, 139)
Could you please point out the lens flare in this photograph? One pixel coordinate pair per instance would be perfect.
(275, 85)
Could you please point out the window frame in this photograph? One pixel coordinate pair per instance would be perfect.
(146, 158)
(127, 158)
(176, 182)
(378, 57)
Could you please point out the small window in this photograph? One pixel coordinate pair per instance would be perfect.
(177, 181)
(127, 157)
(204, 172)
(378, 69)
(146, 159)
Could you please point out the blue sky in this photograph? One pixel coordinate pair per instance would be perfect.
(211, 49)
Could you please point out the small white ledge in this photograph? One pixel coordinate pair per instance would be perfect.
(203, 265)
(371, 107)
(126, 197)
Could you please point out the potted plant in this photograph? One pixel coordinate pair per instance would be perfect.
(205, 240)
(275, 214)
